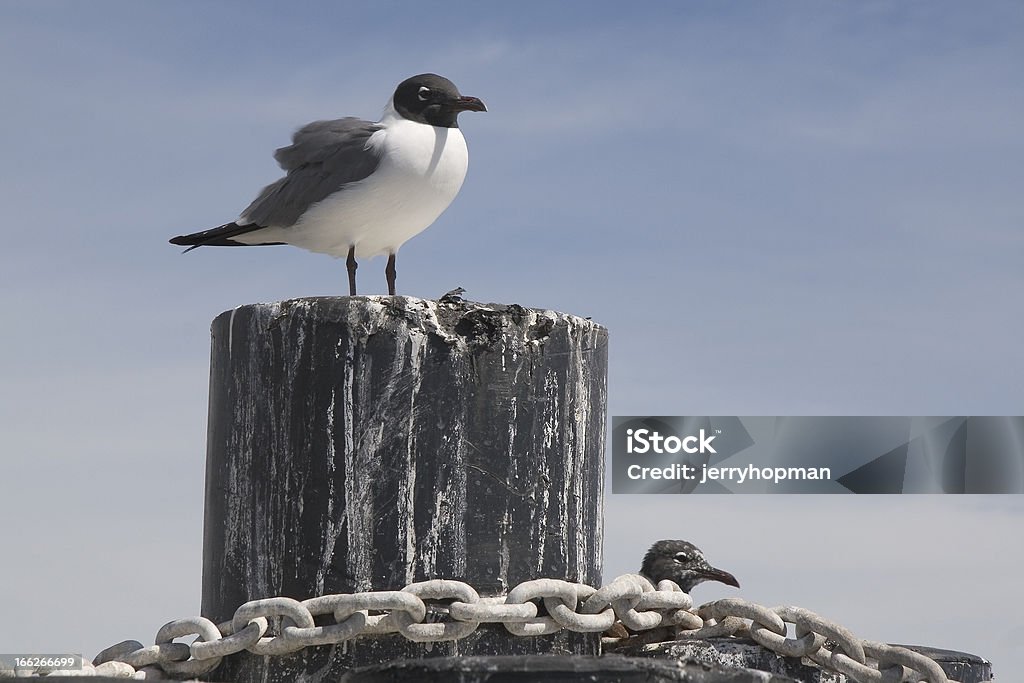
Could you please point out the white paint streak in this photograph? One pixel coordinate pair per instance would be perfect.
(415, 369)
(231, 330)
(356, 532)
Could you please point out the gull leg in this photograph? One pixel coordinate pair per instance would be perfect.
(390, 273)
(350, 262)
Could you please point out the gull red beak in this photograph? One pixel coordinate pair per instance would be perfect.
(468, 104)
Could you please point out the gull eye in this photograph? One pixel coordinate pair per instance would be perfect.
(424, 94)
(681, 558)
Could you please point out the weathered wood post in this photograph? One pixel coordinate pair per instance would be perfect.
(363, 443)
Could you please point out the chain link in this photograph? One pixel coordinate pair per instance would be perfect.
(630, 600)
(860, 660)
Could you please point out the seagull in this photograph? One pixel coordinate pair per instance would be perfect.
(675, 560)
(360, 189)
(682, 562)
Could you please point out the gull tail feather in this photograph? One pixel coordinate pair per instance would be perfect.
(220, 236)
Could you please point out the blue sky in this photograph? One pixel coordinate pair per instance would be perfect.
(775, 208)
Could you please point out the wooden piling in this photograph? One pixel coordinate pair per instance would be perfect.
(363, 443)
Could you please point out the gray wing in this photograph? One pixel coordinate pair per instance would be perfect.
(324, 157)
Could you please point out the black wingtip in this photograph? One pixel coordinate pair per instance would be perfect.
(219, 237)
(185, 241)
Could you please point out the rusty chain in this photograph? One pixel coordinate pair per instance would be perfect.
(630, 600)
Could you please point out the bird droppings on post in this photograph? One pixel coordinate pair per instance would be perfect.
(363, 443)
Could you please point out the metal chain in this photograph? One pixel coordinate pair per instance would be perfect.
(862, 661)
(631, 600)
